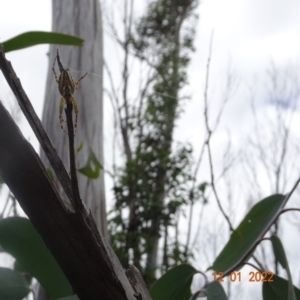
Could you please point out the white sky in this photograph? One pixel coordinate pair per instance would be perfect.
(248, 33)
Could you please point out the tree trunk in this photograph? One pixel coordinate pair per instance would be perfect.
(82, 19)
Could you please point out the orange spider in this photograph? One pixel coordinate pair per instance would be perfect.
(67, 87)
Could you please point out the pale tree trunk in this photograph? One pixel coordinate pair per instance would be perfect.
(82, 19)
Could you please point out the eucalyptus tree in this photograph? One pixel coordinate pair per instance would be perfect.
(82, 19)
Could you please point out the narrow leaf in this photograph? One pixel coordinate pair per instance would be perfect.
(175, 284)
(92, 167)
(279, 251)
(79, 148)
(33, 38)
(281, 257)
(12, 285)
(253, 227)
(278, 289)
(19, 238)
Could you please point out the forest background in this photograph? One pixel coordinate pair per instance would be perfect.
(254, 44)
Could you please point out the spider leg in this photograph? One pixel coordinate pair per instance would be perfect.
(53, 69)
(61, 107)
(77, 82)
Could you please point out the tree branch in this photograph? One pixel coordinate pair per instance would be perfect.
(35, 124)
(209, 132)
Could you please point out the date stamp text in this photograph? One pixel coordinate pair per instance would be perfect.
(237, 276)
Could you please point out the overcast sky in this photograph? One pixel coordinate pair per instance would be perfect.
(247, 33)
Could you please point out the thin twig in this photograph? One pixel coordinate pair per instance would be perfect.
(258, 262)
(189, 223)
(254, 266)
(209, 136)
(289, 209)
(197, 235)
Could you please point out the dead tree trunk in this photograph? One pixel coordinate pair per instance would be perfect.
(82, 19)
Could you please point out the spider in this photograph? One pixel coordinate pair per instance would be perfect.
(67, 87)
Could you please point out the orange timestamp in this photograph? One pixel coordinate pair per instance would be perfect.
(237, 276)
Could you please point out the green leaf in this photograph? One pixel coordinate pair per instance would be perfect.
(13, 285)
(278, 289)
(79, 148)
(202, 186)
(19, 238)
(281, 257)
(92, 167)
(20, 268)
(279, 251)
(32, 38)
(175, 284)
(253, 227)
(214, 291)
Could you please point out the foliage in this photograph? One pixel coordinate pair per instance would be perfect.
(251, 229)
(155, 182)
(279, 253)
(19, 238)
(153, 187)
(278, 289)
(13, 286)
(33, 38)
(175, 285)
(242, 244)
(92, 167)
